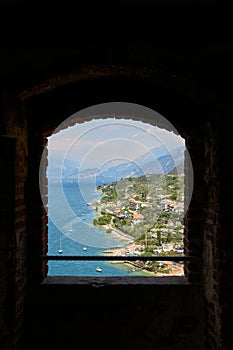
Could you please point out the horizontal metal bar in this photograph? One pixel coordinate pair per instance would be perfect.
(117, 258)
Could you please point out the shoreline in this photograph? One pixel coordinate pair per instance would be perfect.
(145, 272)
(117, 232)
(129, 248)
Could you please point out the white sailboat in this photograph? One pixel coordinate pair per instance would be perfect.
(60, 248)
(84, 248)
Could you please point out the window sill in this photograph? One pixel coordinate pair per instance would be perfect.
(106, 281)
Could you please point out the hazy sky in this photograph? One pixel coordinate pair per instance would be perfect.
(104, 142)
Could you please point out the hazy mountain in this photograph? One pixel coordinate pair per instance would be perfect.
(59, 168)
(155, 161)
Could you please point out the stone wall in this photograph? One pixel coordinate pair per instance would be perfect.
(13, 242)
(159, 316)
(171, 317)
(212, 232)
(223, 238)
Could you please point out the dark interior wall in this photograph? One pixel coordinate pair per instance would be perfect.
(223, 263)
(122, 316)
(50, 108)
(186, 51)
(13, 242)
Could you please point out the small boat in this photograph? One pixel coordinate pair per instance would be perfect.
(60, 249)
(98, 269)
(84, 248)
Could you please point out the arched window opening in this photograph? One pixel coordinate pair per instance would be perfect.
(116, 194)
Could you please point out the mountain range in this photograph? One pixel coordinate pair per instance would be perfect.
(160, 160)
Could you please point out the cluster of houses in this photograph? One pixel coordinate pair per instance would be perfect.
(166, 205)
(136, 216)
(133, 211)
(130, 207)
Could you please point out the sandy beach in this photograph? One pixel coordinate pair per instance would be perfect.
(129, 248)
(120, 234)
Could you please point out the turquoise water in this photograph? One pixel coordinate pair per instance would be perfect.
(70, 225)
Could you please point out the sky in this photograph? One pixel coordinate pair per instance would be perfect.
(107, 142)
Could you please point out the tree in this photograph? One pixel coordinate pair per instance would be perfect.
(169, 237)
(159, 237)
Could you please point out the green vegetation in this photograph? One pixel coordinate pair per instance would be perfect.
(103, 220)
(148, 208)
